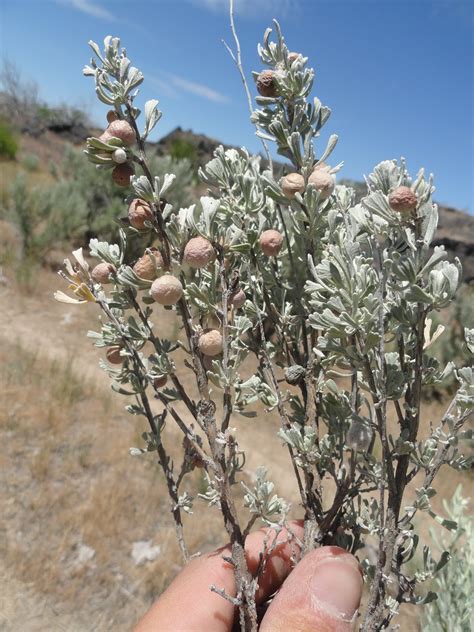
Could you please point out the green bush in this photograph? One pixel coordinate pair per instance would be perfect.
(183, 149)
(8, 141)
(82, 203)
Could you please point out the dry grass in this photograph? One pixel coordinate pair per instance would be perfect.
(49, 150)
(68, 481)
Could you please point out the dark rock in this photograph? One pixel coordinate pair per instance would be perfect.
(456, 233)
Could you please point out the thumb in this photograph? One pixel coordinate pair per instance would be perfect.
(321, 594)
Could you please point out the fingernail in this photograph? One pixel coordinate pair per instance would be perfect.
(336, 587)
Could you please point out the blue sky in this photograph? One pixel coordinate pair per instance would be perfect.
(398, 74)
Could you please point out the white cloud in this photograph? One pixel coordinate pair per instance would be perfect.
(90, 8)
(199, 89)
(164, 87)
(248, 8)
(172, 85)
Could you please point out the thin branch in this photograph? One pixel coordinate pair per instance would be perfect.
(237, 59)
(191, 406)
(133, 352)
(171, 483)
(227, 397)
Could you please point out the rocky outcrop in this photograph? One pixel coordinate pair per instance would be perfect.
(202, 145)
(456, 233)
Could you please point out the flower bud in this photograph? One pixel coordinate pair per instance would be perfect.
(403, 200)
(359, 436)
(146, 266)
(119, 156)
(291, 184)
(238, 299)
(167, 290)
(139, 212)
(101, 273)
(295, 374)
(323, 181)
(210, 343)
(123, 130)
(266, 84)
(198, 252)
(121, 175)
(271, 242)
(113, 355)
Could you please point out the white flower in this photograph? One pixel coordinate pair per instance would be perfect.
(427, 335)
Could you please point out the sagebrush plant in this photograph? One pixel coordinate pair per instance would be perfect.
(454, 585)
(332, 300)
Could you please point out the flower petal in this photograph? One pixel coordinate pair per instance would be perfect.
(65, 298)
(83, 291)
(79, 257)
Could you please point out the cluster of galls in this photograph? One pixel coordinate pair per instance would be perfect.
(271, 240)
(321, 178)
(121, 129)
(167, 289)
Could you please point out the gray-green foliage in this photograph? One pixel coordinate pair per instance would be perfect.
(451, 344)
(350, 294)
(454, 585)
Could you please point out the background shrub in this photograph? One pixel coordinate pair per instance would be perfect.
(8, 141)
(82, 202)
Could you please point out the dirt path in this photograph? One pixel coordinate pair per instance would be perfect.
(23, 610)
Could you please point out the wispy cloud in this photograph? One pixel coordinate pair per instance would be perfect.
(164, 87)
(248, 8)
(90, 8)
(199, 89)
(173, 85)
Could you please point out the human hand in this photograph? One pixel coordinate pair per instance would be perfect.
(321, 594)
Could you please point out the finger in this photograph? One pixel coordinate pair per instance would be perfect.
(279, 563)
(322, 594)
(188, 604)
